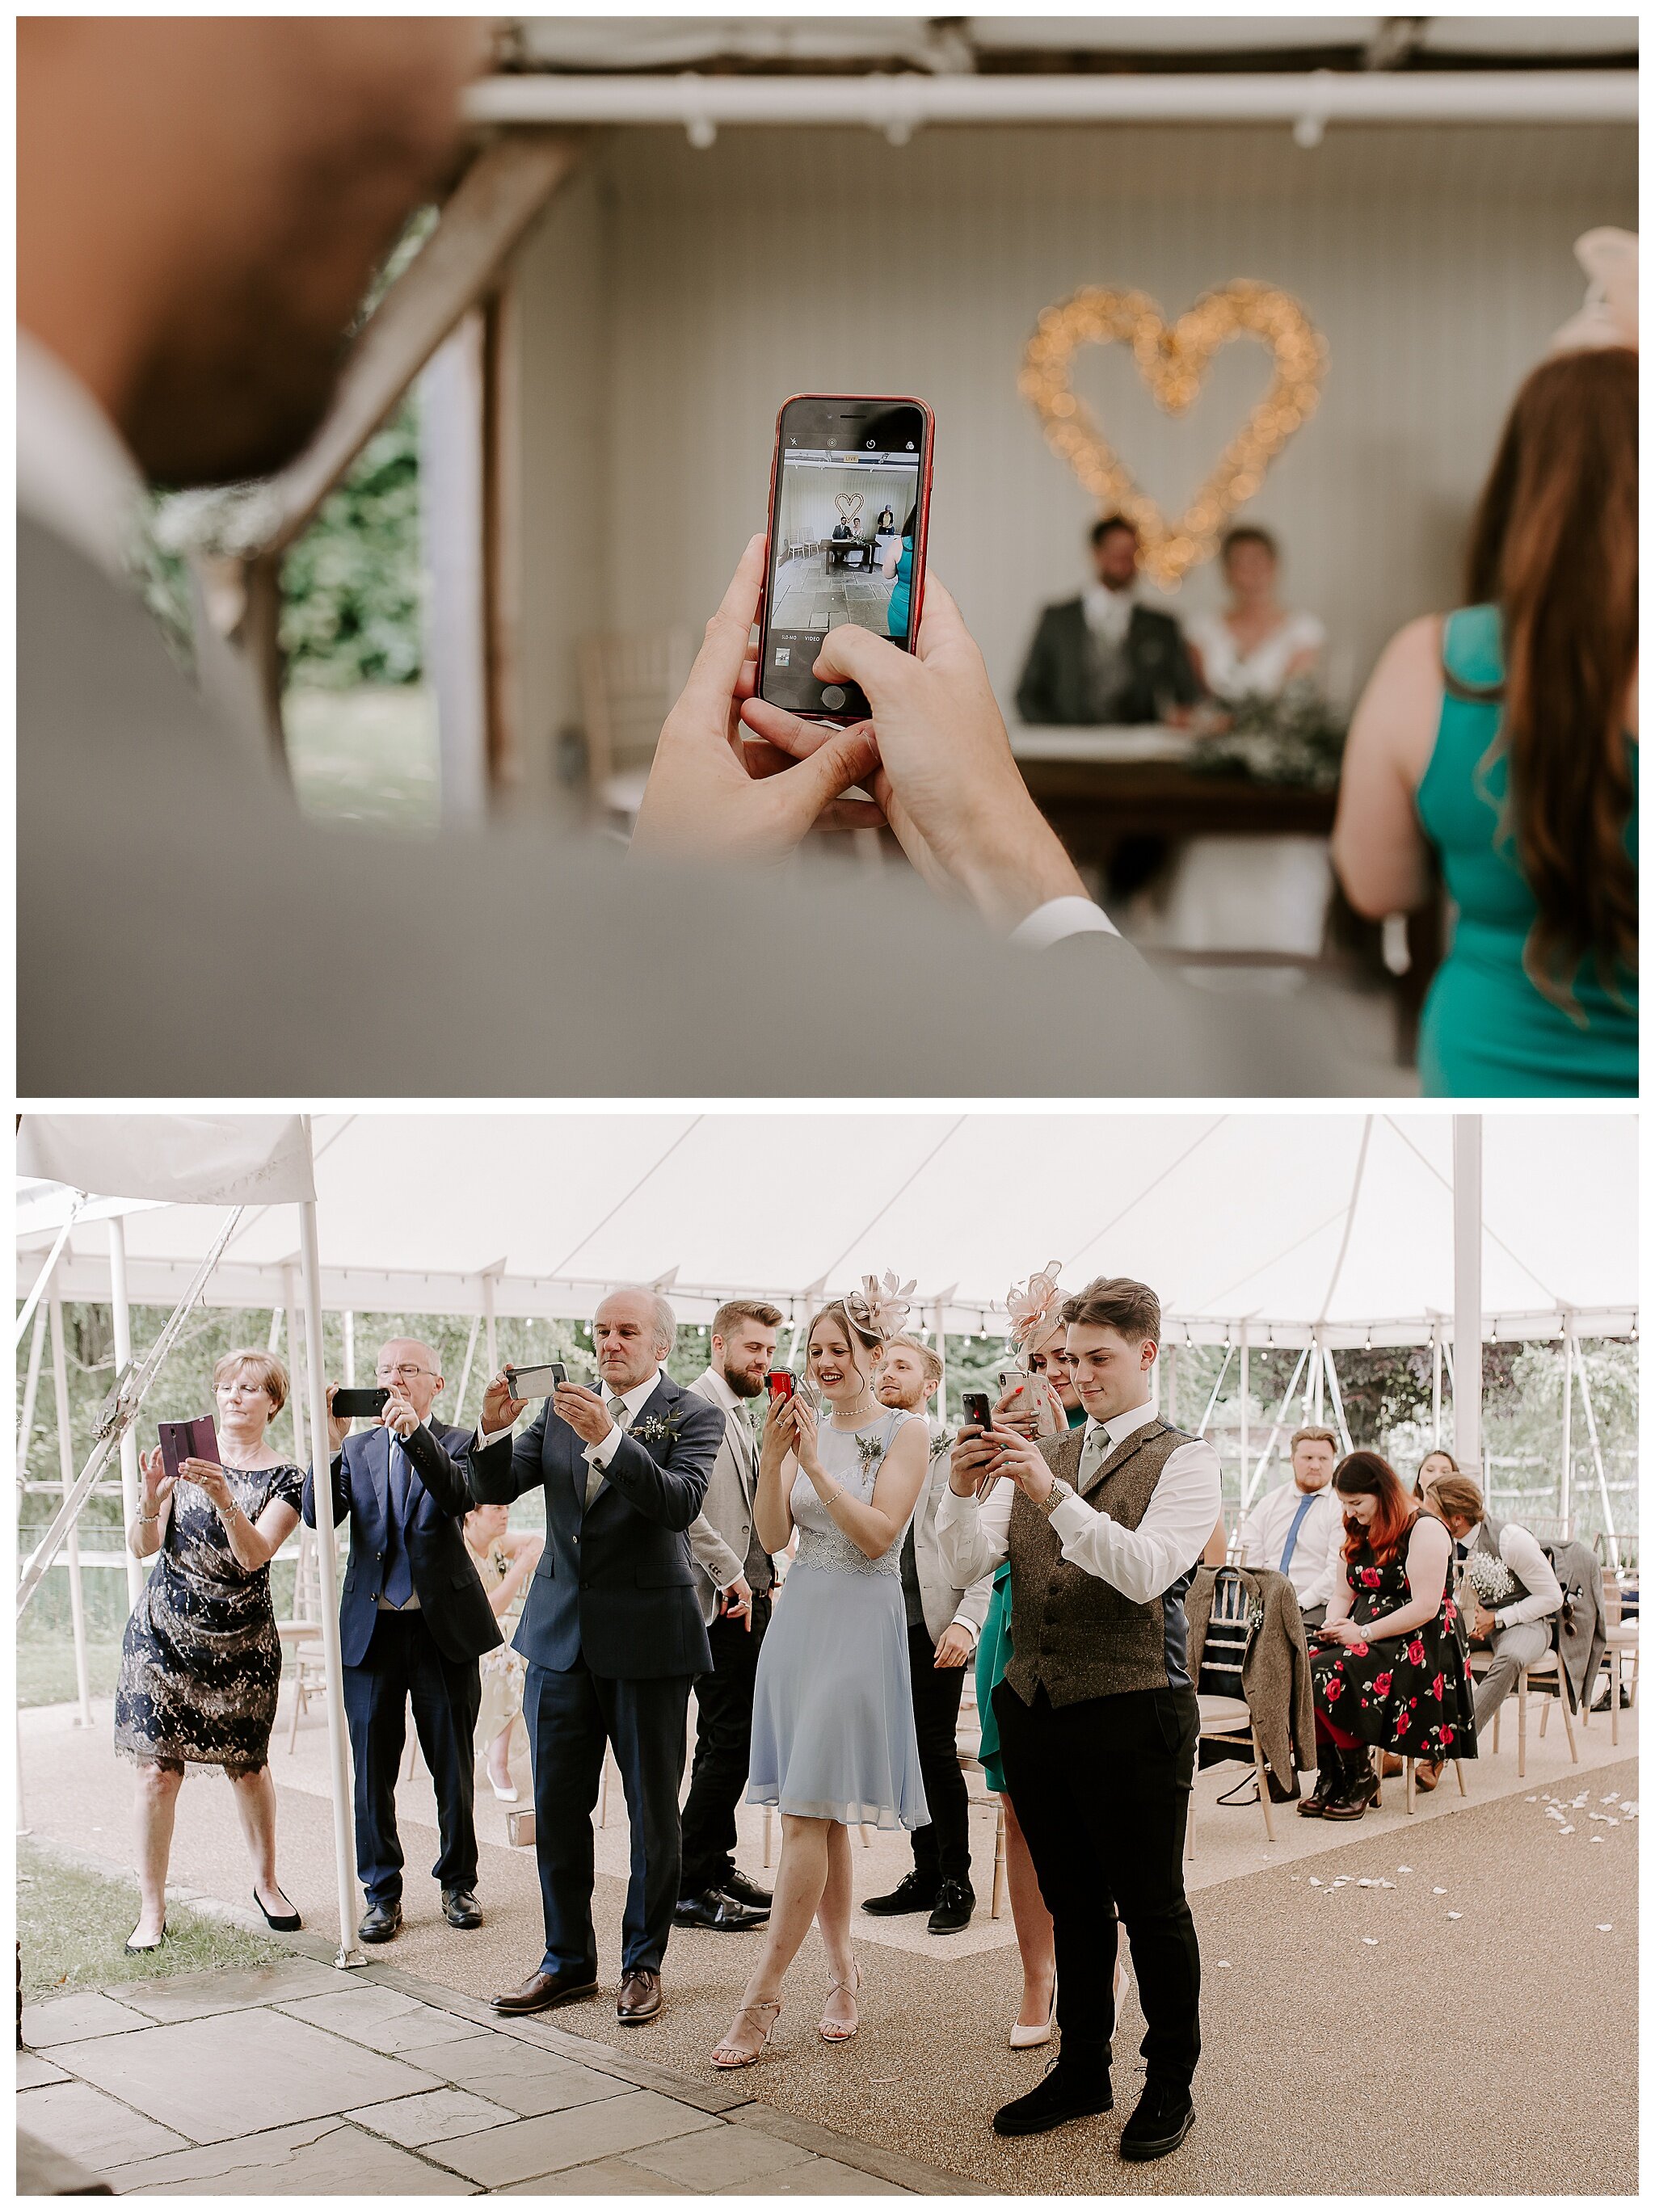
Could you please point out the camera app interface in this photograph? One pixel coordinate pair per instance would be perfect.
(846, 515)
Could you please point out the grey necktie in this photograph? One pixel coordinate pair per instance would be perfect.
(595, 1478)
(1093, 1452)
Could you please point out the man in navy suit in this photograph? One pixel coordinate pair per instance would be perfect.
(611, 1629)
(413, 1621)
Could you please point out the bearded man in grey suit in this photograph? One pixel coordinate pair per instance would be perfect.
(202, 201)
(734, 1576)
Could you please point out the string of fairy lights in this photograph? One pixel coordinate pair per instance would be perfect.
(1174, 360)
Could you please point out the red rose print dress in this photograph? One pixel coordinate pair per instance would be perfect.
(1409, 1694)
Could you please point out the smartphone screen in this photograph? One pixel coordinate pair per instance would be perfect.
(851, 489)
(780, 1382)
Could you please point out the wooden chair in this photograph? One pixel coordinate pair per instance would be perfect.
(629, 683)
(1621, 1640)
(1408, 1764)
(1228, 1720)
(1548, 1668)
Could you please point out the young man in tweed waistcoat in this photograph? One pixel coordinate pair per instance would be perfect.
(1097, 1713)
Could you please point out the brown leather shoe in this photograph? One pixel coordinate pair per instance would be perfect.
(541, 1991)
(1427, 1773)
(638, 1997)
(1390, 1764)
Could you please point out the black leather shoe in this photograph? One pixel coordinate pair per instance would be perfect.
(1164, 2117)
(461, 1908)
(1358, 1789)
(1063, 2093)
(743, 1889)
(380, 1922)
(716, 1908)
(1329, 1781)
(913, 1894)
(955, 1905)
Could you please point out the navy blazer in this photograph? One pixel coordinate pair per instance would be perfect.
(446, 1581)
(614, 1589)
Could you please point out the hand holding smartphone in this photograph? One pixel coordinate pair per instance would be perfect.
(843, 462)
(182, 1440)
(359, 1405)
(536, 1382)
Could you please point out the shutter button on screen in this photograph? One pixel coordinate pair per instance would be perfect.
(833, 695)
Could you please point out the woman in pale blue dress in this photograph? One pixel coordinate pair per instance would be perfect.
(833, 1738)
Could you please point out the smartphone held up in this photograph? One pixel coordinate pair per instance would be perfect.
(850, 497)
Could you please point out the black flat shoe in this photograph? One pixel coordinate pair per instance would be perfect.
(461, 1908)
(380, 1922)
(143, 1950)
(282, 1923)
(911, 1894)
(716, 1908)
(954, 1907)
(1063, 2093)
(744, 1890)
(1164, 2117)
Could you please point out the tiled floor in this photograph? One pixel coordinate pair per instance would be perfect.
(810, 596)
(298, 2081)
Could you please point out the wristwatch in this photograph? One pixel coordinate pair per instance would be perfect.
(1053, 1498)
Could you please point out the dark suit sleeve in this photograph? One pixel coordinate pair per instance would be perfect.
(443, 1475)
(498, 1474)
(341, 1494)
(1035, 702)
(673, 1494)
(1186, 684)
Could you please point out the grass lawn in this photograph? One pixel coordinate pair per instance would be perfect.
(72, 1926)
(45, 1669)
(367, 757)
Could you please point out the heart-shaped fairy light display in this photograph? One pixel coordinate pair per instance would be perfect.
(1173, 361)
(849, 504)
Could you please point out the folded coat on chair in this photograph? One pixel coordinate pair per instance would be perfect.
(1275, 1672)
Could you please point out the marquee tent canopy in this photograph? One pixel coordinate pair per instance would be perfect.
(1302, 1227)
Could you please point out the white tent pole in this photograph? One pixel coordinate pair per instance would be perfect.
(1436, 1383)
(1264, 1457)
(1313, 1381)
(1467, 1291)
(31, 1389)
(72, 1542)
(1566, 1479)
(1338, 1401)
(295, 1395)
(490, 1346)
(1228, 1350)
(940, 1335)
(339, 1758)
(1246, 1388)
(350, 1349)
(275, 1328)
(466, 1372)
(121, 1316)
(26, 1312)
(1597, 1459)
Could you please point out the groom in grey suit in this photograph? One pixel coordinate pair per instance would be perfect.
(202, 201)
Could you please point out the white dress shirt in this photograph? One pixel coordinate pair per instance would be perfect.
(1316, 1568)
(1141, 1562)
(1520, 1550)
(598, 1454)
(1108, 613)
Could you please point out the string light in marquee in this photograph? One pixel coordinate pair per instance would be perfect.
(1173, 361)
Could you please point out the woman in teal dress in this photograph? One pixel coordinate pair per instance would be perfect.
(1498, 745)
(898, 563)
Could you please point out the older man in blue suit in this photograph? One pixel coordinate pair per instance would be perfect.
(611, 1629)
(414, 1620)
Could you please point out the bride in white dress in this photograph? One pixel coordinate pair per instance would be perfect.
(1254, 894)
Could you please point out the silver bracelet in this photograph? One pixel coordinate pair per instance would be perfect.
(143, 1516)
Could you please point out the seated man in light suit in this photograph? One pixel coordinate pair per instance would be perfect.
(611, 1631)
(944, 1623)
(734, 1579)
(414, 1620)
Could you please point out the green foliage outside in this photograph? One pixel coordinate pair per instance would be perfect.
(351, 587)
(1387, 1397)
(72, 1925)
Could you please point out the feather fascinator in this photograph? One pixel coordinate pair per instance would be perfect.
(1033, 1307)
(880, 1309)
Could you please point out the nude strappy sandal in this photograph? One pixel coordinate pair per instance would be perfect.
(830, 2030)
(740, 2058)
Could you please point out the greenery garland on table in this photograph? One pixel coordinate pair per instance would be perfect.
(1295, 738)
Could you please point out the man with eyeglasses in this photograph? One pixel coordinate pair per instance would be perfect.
(413, 1622)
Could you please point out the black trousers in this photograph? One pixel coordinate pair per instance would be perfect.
(570, 1715)
(403, 1666)
(1102, 1793)
(724, 1727)
(942, 1848)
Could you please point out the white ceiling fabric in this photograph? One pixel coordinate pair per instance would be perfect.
(1291, 1223)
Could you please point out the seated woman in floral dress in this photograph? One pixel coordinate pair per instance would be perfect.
(1390, 1673)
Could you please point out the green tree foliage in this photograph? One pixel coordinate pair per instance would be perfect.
(351, 588)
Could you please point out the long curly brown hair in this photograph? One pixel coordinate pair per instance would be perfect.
(1555, 546)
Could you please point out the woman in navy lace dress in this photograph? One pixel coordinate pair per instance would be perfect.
(833, 1739)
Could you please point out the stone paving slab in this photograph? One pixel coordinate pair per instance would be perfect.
(213, 2086)
(87, 2125)
(316, 2158)
(555, 2140)
(817, 2177)
(605, 2177)
(33, 2073)
(433, 2117)
(228, 1989)
(718, 2159)
(530, 2080)
(71, 2020)
(381, 2019)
